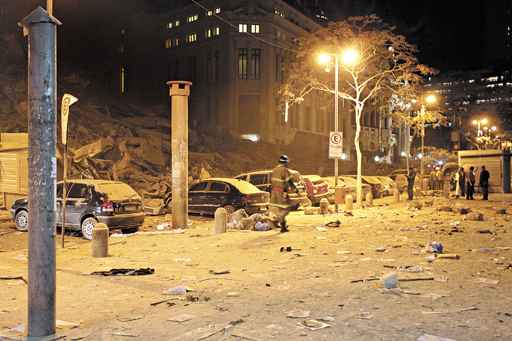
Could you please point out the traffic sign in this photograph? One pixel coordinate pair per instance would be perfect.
(335, 145)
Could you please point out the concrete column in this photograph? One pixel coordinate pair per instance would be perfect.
(179, 92)
(42, 130)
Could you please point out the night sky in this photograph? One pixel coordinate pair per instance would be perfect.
(450, 34)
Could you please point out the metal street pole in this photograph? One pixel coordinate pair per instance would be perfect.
(42, 131)
(179, 92)
(336, 116)
(422, 137)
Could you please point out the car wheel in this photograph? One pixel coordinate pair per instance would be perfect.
(130, 230)
(21, 220)
(87, 227)
(229, 209)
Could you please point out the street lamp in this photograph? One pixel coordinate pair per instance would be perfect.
(479, 124)
(428, 100)
(349, 57)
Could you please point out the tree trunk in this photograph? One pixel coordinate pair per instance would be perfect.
(359, 190)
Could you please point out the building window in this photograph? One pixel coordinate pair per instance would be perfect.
(170, 25)
(176, 42)
(212, 32)
(168, 43)
(191, 38)
(192, 18)
(176, 23)
(243, 63)
(255, 28)
(255, 64)
(242, 28)
(217, 10)
(209, 13)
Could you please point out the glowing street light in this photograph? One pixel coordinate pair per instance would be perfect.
(427, 100)
(479, 124)
(493, 128)
(348, 57)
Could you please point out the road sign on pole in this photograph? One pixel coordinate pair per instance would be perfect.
(335, 145)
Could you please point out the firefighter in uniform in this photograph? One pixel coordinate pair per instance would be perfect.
(282, 185)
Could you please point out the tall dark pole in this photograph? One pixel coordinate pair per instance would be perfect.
(42, 99)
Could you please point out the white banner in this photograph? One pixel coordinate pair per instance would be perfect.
(67, 101)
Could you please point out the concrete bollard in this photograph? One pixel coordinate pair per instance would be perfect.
(324, 206)
(99, 244)
(349, 203)
(396, 195)
(221, 220)
(369, 199)
(446, 188)
(339, 195)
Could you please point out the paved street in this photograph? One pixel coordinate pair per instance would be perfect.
(242, 287)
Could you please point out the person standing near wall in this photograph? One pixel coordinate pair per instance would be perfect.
(471, 180)
(484, 182)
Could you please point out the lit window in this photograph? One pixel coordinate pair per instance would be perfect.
(255, 64)
(176, 41)
(242, 28)
(171, 25)
(217, 10)
(192, 37)
(243, 63)
(168, 43)
(216, 31)
(176, 23)
(209, 33)
(209, 13)
(193, 18)
(255, 28)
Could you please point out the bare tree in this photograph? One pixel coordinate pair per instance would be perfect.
(374, 61)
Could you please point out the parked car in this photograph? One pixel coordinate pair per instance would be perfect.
(88, 202)
(396, 172)
(317, 188)
(388, 185)
(376, 185)
(206, 196)
(262, 180)
(349, 185)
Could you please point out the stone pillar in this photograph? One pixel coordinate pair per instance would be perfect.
(349, 203)
(369, 199)
(221, 220)
(179, 92)
(99, 244)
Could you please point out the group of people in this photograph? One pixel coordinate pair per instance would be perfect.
(465, 183)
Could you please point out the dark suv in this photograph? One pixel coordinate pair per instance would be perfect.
(88, 202)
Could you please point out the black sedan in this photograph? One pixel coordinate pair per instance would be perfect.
(206, 196)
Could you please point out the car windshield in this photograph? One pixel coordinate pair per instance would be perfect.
(117, 191)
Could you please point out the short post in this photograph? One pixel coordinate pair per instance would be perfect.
(42, 173)
(339, 195)
(99, 244)
(179, 92)
(369, 199)
(324, 206)
(446, 188)
(221, 220)
(349, 203)
(396, 195)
